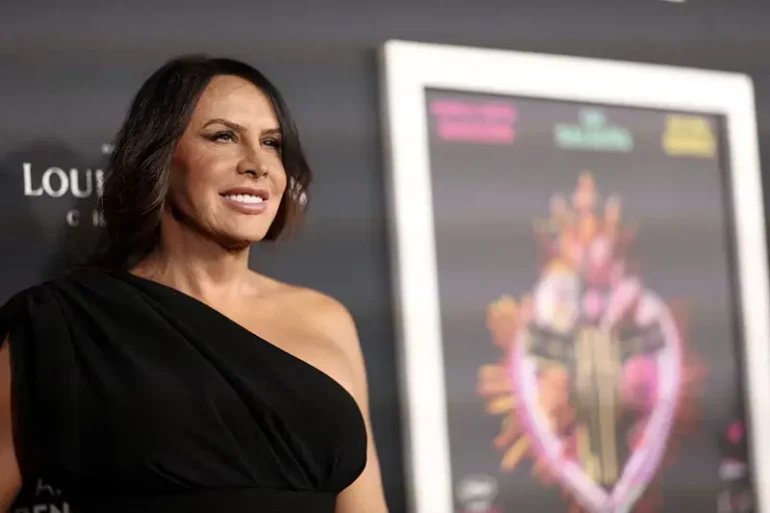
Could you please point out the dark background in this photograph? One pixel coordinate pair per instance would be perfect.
(485, 198)
(68, 71)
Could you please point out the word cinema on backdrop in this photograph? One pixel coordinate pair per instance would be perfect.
(56, 182)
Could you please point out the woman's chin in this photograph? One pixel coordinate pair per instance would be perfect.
(251, 232)
(241, 240)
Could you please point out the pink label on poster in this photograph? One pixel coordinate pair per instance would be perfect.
(480, 122)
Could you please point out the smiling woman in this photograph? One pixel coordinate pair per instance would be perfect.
(197, 119)
(167, 376)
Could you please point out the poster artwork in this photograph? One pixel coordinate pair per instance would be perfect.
(596, 383)
(582, 283)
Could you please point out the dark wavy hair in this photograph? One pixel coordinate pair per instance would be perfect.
(137, 179)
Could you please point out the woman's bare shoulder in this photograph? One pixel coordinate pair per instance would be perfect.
(317, 309)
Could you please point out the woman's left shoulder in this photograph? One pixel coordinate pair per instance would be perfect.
(322, 314)
(311, 315)
(317, 316)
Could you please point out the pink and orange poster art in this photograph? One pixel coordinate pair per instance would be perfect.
(580, 272)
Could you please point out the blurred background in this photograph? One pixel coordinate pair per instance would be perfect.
(68, 71)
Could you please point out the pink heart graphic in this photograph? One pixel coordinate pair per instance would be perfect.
(660, 397)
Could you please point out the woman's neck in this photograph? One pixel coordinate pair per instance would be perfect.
(204, 269)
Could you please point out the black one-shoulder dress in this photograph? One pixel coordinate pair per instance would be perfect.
(130, 396)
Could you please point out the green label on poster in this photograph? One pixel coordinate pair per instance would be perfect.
(593, 133)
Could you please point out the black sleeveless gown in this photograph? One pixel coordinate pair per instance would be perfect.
(130, 396)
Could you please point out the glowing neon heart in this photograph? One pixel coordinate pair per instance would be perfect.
(650, 385)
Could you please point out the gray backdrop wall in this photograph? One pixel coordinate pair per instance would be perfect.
(68, 71)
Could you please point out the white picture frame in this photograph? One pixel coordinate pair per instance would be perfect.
(408, 69)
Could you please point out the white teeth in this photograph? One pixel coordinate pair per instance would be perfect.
(244, 198)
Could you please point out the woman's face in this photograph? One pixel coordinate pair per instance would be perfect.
(227, 176)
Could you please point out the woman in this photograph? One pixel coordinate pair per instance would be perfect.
(170, 377)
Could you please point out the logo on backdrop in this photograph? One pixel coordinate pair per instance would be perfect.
(48, 500)
(70, 183)
(596, 382)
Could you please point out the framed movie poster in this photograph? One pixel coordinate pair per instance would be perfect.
(581, 284)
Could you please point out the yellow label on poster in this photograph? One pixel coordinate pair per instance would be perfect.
(688, 136)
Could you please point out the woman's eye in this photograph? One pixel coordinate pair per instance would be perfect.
(226, 136)
(273, 143)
